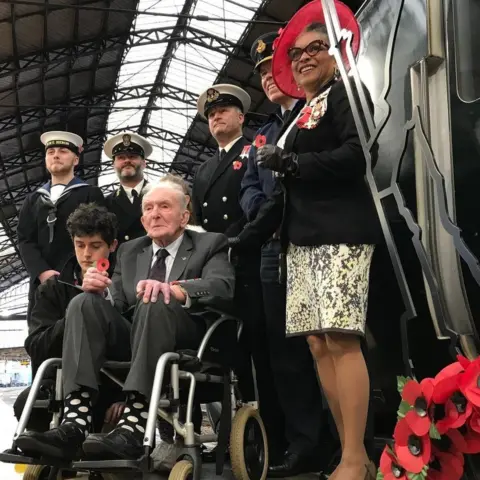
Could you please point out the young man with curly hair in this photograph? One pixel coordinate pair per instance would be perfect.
(94, 234)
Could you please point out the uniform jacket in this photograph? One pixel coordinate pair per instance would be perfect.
(258, 183)
(38, 253)
(128, 214)
(328, 200)
(46, 323)
(216, 189)
(201, 265)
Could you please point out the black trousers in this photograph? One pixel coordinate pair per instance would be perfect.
(254, 346)
(96, 332)
(293, 367)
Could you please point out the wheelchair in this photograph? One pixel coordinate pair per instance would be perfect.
(188, 377)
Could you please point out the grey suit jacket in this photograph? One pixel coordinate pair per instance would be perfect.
(201, 261)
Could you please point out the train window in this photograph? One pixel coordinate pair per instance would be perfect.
(466, 21)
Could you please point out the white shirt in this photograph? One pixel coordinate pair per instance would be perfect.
(291, 107)
(172, 250)
(228, 147)
(128, 190)
(56, 191)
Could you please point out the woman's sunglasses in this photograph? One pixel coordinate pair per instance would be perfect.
(295, 53)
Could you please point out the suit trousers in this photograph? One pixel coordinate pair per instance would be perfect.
(293, 367)
(254, 346)
(96, 332)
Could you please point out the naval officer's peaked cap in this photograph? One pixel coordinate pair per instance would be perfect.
(223, 95)
(127, 143)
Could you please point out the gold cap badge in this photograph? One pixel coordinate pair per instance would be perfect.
(212, 95)
(126, 140)
(261, 46)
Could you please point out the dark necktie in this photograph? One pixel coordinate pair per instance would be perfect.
(222, 154)
(136, 197)
(286, 116)
(159, 269)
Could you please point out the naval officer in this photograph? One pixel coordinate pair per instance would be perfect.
(128, 151)
(216, 206)
(43, 240)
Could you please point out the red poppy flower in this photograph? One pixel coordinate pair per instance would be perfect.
(237, 165)
(103, 265)
(412, 451)
(260, 141)
(469, 383)
(471, 439)
(445, 466)
(419, 396)
(390, 468)
(304, 116)
(457, 411)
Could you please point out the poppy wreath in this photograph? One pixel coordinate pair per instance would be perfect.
(438, 424)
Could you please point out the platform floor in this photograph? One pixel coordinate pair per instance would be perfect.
(8, 424)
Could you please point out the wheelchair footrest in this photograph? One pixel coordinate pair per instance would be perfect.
(109, 465)
(8, 456)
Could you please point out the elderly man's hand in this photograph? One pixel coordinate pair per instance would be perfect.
(276, 159)
(150, 289)
(95, 281)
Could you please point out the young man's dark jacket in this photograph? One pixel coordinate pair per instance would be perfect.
(47, 321)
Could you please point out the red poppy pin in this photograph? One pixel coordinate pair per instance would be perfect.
(305, 116)
(412, 451)
(418, 396)
(389, 466)
(102, 265)
(260, 141)
(237, 165)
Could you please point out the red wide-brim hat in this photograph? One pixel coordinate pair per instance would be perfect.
(310, 13)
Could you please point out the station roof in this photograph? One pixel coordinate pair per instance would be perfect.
(99, 67)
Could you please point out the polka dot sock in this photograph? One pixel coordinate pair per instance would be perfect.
(135, 415)
(78, 410)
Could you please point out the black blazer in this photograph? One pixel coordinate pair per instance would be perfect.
(328, 200)
(128, 214)
(216, 190)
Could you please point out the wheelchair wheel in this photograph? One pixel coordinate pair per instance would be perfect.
(182, 470)
(38, 472)
(248, 445)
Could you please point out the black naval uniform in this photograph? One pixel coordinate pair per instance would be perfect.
(43, 238)
(128, 214)
(215, 199)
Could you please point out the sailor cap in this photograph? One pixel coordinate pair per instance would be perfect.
(62, 139)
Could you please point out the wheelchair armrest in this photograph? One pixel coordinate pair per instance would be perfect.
(223, 317)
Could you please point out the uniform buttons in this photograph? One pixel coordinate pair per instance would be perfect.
(205, 204)
(127, 237)
(206, 220)
(225, 217)
(224, 199)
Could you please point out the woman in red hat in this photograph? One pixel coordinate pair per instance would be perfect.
(330, 224)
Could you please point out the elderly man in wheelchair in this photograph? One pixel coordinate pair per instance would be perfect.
(159, 301)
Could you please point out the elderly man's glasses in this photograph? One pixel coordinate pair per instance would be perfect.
(295, 53)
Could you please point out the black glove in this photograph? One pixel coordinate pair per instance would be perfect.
(276, 159)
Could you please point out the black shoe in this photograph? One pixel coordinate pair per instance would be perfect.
(293, 464)
(63, 442)
(119, 444)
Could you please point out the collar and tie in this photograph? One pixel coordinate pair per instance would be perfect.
(159, 269)
(286, 116)
(223, 152)
(135, 196)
